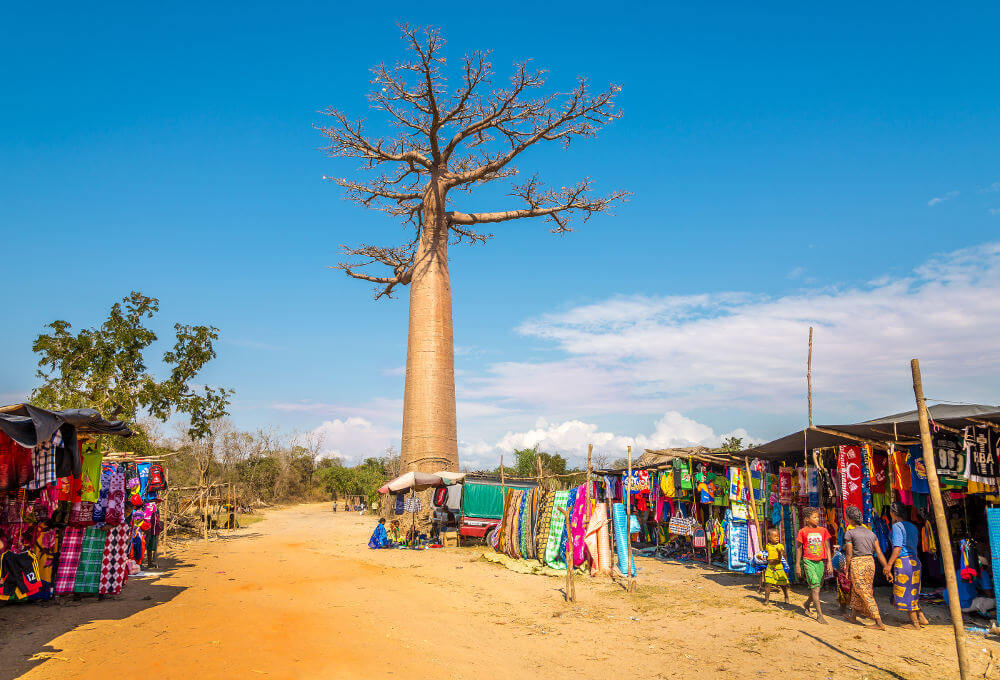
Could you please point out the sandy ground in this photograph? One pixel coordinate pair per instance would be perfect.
(300, 596)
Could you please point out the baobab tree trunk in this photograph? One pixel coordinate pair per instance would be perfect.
(430, 439)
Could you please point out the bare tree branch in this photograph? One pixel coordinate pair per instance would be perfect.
(399, 259)
(545, 203)
(445, 140)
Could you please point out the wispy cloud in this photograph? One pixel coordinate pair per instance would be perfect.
(941, 199)
(741, 351)
(991, 188)
(995, 211)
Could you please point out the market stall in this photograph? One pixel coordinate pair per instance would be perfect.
(72, 520)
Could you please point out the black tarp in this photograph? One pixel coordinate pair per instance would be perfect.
(896, 427)
(28, 425)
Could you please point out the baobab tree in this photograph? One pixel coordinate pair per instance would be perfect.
(448, 139)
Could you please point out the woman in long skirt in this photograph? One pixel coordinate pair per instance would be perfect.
(903, 566)
(862, 549)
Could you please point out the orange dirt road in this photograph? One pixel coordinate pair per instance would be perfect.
(299, 595)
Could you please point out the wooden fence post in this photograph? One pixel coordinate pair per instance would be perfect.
(944, 539)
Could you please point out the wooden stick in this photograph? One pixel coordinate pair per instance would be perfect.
(630, 583)
(809, 376)
(944, 539)
(847, 435)
(570, 586)
(753, 503)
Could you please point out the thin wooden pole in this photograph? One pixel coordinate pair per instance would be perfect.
(630, 583)
(809, 376)
(944, 539)
(753, 504)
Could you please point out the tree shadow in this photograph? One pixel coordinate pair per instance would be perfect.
(28, 629)
(852, 657)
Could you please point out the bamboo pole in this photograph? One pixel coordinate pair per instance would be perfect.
(809, 376)
(630, 583)
(944, 539)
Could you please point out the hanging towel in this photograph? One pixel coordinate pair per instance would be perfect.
(578, 525)
(621, 541)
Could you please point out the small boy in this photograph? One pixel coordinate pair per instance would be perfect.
(813, 556)
(774, 574)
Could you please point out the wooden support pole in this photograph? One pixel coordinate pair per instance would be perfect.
(630, 582)
(809, 376)
(944, 539)
(570, 586)
(753, 504)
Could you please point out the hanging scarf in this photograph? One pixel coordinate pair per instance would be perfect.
(850, 466)
(785, 486)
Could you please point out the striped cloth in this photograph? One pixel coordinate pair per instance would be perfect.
(557, 532)
(620, 524)
(69, 558)
(88, 572)
(542, 530)
(524, 528)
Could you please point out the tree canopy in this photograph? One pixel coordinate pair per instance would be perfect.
(105, 368)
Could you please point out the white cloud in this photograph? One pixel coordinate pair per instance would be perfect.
(355, 438)
(992, 188)
(995, 211)
(643, 354)
(573, 436)
(941, 199)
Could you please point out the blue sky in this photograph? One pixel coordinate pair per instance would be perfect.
(790, 165)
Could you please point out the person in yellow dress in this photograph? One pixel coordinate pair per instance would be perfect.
(774, 574)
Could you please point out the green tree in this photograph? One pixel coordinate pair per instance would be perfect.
(732, 444)
(105, 368)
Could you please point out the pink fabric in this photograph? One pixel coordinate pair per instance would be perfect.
(598, 542)
(578, 523)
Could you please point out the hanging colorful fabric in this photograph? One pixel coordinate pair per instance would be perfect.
(785, 486)
(849, 465)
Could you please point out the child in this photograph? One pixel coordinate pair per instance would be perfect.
(774, 574)
(813, 553)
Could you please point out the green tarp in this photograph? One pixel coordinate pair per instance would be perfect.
(484, 500)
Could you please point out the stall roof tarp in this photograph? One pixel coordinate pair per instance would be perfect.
(28, 425)
(896, 427)
(412, 481)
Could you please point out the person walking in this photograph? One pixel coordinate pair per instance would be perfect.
(862, 548)
(903, 566)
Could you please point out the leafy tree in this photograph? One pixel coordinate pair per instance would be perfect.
(733, 444)
(105, 368)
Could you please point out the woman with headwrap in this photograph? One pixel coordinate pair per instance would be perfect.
(862, 548)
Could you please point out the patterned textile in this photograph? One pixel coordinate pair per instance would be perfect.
(849, 465)
(785, 486)
(514, 550)
(906, 584)
(578, 523)
(597, 542)
(114, 514)
(866, 492)
(524, 524)
(88, 571)
(15, 464)
(69, 558)
(621, 540)
(570, 502)
(43, 461)
(862, 580)
(544, 521)
(81, 514)
(557, 531)
(113, 565)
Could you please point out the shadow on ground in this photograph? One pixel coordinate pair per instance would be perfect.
(27, 630)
